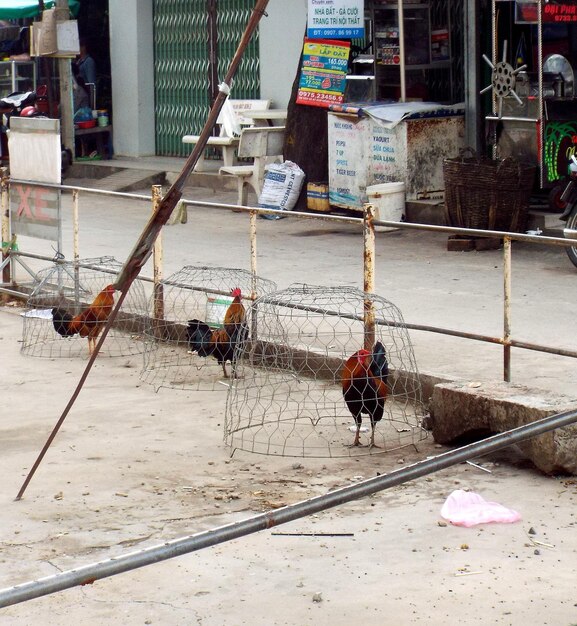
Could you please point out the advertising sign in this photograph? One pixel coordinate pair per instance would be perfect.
(35, 211)
(341, 19)
(560, 11)
(323, 72)
(559, 144)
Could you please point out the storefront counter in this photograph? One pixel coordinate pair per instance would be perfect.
(383, 143)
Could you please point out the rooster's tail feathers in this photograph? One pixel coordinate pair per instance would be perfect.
(379, 362)
(199, 337)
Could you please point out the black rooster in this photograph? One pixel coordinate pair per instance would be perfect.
(364, 380)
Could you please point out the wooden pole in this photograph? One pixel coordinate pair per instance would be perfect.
(65, 74)
(143, 248)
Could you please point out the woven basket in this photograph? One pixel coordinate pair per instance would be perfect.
(487, 195)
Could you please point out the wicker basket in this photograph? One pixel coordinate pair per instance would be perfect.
(487, 195)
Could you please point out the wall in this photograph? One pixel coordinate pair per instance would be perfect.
(281, 42)
(132, 62)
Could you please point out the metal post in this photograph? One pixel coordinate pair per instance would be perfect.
(473, 109)
(253, 272)
(88, 574)
(158, 288)
(75, 246)
(541, 124)
(6, 237)
(507, 309)
(369, 276)
(75, 231)
(253, 267)
(401, 19)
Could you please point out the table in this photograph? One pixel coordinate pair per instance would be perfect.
(102, 135)
(267, 117)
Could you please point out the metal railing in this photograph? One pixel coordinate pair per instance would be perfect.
(367, 222)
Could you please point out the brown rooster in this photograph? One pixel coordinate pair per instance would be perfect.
(89, 322)
(221, 343)
(364, 381)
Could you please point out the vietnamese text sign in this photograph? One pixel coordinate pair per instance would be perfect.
(323, 72)
(35, 211)
(560, 11)
(343, 19)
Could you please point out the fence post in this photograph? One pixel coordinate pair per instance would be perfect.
(369, 275)
(253, 272)
(6, 239)
(75, 247)
(158, 289)
(507, 309)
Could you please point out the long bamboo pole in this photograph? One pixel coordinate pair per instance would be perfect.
(144, 246)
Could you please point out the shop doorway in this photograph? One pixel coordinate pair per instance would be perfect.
(194, 43)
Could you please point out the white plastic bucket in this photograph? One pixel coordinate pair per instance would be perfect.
(389, 202)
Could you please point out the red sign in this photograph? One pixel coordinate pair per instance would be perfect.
(560, 12)
(35, 211)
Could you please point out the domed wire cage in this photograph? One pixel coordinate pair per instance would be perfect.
(72, 287)
(201, 293)
(287, 396)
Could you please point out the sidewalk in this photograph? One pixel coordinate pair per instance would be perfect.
(136, 173)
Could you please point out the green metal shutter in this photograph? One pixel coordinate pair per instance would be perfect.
(182, 65)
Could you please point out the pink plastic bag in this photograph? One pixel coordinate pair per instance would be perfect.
(466, 508)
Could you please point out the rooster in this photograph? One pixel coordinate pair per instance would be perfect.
(364, 381)
(221, 343)
(89, 322)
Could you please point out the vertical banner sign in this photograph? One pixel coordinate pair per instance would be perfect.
(340, 19)
(323, 72)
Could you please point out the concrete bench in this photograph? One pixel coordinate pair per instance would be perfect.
(229, 130)
(264, 146)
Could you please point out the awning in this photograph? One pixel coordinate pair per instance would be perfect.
(17, 9)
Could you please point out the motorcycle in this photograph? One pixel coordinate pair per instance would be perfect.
(25, 104)
(568, 201)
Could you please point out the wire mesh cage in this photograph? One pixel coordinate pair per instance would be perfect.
(287, 396)
(201, 296)
(67, 289)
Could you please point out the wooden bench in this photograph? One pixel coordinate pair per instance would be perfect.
(264, 145)
(229, 129)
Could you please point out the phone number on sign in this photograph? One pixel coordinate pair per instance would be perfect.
(315, 95)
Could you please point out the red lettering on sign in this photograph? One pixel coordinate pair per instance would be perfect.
(40, 204)
(23, 206)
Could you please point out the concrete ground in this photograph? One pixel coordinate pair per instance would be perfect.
(132, 468)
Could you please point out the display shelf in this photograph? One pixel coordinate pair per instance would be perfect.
(426, 52)
(17, 76)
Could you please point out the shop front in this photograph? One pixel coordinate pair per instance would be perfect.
(534, 100)
(403, 111)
